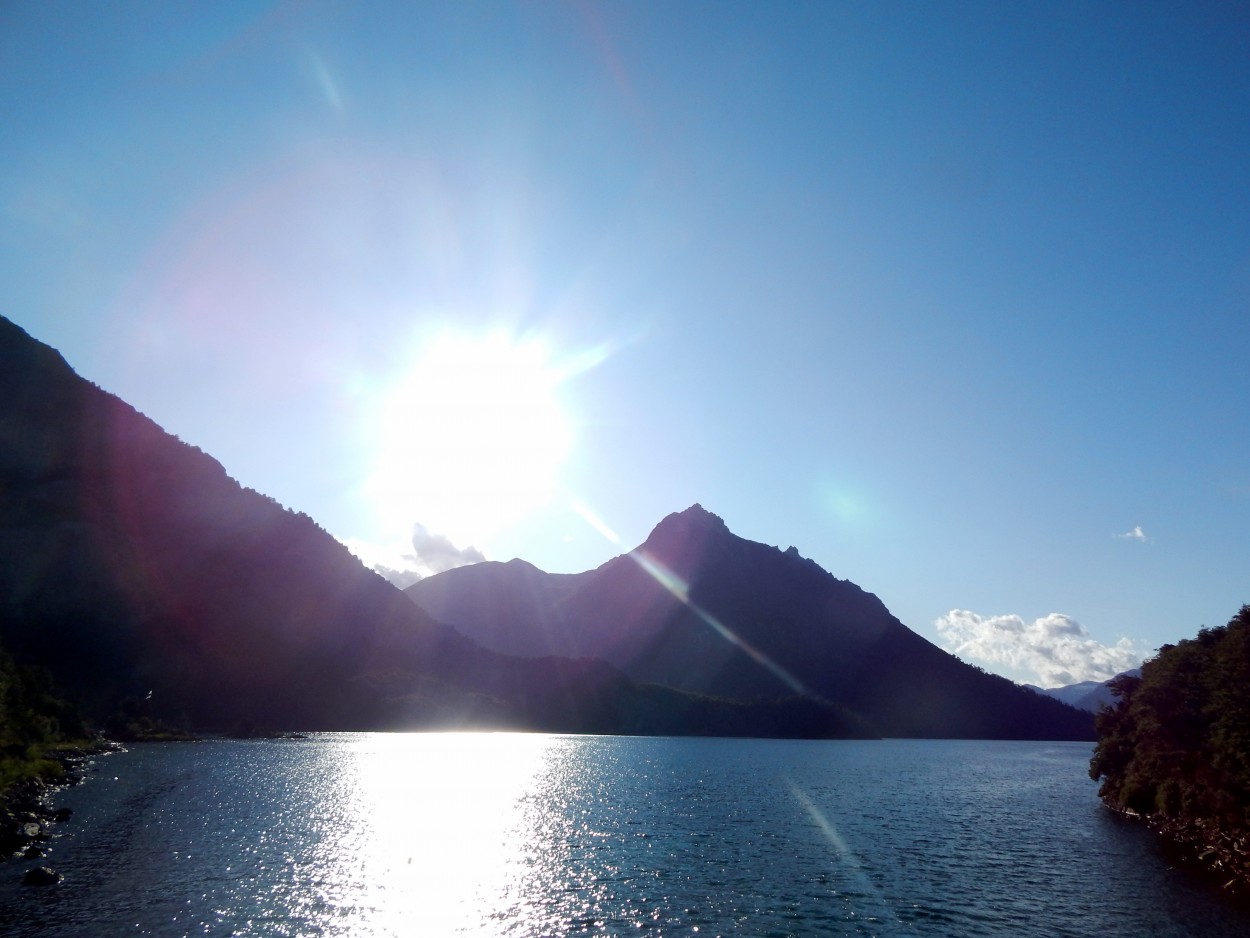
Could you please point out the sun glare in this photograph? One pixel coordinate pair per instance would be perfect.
(471, 437)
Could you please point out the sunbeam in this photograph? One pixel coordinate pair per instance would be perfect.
(588, 515)
(680, 589)
(843, 851)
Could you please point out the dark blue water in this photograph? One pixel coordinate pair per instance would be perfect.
(445, 834)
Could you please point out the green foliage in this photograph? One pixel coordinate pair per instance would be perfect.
(1176, 745)
(30, 713)
(32, 720)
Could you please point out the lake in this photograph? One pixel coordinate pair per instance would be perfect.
(531, 835)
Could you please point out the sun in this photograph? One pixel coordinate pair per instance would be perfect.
(471, 436)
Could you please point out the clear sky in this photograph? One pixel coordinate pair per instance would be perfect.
(953, 297)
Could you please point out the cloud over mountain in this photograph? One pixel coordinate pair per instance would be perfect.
(436, 553)
(1056, 648)
(426, 553)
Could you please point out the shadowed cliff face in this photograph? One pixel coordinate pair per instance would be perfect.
(698, 608)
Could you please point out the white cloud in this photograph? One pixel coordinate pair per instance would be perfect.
(1056, 649)
(436, 553)
(401, 578)
(426, 553)
(1137, 534)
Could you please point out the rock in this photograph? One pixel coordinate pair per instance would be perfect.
(33, 852)
(42, 876)
(61, 815)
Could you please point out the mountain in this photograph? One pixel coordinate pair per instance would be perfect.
(1070, 694)
(1091, 696)
(131, 563)
(700, 609)
(154, 587)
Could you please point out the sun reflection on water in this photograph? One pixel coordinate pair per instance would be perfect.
(445, 843)
(344, 835)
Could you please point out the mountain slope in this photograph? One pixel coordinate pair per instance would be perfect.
(1086, 695)
(698, 608)
(149, 581)
(130, 562)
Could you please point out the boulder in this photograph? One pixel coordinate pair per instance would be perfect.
(42, 876)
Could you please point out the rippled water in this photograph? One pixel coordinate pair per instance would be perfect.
(527, 835)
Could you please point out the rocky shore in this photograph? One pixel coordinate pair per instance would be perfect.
(1221, 856)
(1218, 853)
(26, 818)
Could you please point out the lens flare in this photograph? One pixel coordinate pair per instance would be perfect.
(680, 589)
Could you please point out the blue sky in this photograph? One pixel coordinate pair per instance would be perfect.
(953, 297)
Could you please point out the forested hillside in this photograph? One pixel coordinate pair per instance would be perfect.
(1175, 748)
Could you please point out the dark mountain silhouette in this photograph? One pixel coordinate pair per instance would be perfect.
(130, 562)
(698, 608)
(153, 585)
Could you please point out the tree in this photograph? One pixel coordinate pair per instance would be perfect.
(1175, 747)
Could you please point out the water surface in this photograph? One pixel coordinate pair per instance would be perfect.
(529, 835)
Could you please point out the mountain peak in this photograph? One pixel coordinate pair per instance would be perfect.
(686, 537)
(701, 609)
(696, 517)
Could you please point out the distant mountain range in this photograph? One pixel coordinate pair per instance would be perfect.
(700, 609)
(145, 579)
(1090, 696)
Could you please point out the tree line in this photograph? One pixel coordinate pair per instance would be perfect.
(33, 720)
(1175, 746)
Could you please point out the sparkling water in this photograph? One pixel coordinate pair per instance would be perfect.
(535, 835)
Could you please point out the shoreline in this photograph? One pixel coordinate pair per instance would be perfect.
(1218, 855)
(1221, 858)
(26, 818)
